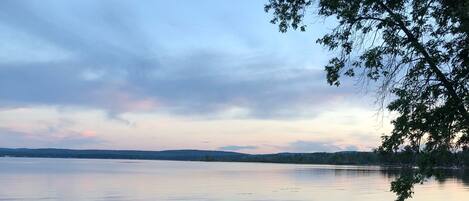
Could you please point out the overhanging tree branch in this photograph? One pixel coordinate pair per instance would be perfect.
(430, 60)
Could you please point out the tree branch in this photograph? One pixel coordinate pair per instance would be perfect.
(441, 77)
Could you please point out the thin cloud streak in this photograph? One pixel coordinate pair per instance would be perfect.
(237, 148)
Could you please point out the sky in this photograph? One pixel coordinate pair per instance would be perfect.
(157, 75)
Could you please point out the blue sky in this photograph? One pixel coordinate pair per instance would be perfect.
(171, 75)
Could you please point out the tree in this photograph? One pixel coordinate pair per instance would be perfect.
(417, 53)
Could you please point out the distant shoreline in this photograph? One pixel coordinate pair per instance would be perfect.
(318, 158)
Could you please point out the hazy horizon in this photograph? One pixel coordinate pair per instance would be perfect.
(183, 149)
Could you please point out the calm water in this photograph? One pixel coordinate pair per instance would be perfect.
(105, 180)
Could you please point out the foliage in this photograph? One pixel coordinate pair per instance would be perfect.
(338, 158)
(418, 54)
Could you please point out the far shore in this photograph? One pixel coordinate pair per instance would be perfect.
(319, 158)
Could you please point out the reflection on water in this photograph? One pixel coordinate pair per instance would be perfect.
(119, 180)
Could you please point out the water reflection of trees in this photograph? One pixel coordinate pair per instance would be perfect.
(442, 175)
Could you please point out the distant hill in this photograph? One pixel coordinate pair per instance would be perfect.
(458, 159)
(356, 158)
(193, 155)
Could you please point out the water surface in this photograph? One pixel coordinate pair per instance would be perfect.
(39, 179)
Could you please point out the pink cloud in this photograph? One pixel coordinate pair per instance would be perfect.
(88, 133)
(124, 101)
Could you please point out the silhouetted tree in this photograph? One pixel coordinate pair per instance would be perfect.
(418, 53)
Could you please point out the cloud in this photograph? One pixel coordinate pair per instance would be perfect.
(18, 139)
(57, 135)
(317, 146)
(115, 64)
(88, 133)
(237, 148)
(290, 92)
(312, 146)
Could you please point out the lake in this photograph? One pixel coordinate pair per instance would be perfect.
(42, 179)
